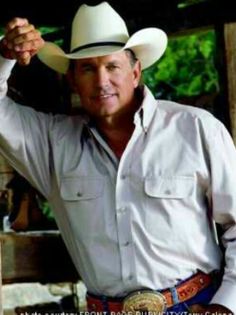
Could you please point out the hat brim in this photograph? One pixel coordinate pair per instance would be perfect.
(148, 45)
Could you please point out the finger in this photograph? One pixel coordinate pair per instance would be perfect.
(31, 41)
(24, 58)
(16, 22)
(18, 31)
(27, 37)
(33, 45)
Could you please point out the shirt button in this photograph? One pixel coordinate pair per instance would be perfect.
(126, 244)
(124, 176)
(130, 277)
(79, 194)
(121, 210)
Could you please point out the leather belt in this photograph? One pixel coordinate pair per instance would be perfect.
(185, 291)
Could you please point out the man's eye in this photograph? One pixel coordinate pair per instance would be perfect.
(112, 67)
(87, 69)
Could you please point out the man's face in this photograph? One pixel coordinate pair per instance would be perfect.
(106, 84)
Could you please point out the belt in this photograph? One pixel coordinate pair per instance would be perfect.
(185, 291)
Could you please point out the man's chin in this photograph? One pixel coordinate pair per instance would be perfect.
(106, 112)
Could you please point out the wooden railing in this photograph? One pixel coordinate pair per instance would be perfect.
(34, 257)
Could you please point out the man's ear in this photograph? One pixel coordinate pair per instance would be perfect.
(137, 72)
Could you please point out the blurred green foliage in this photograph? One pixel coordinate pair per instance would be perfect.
(49, 29)
(187, 3)
(186, 69)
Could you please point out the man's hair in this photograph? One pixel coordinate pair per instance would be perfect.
(132, 57)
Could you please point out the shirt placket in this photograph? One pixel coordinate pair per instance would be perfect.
(124, 213)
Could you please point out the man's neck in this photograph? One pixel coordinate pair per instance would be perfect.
(117, 130)
(117, 134)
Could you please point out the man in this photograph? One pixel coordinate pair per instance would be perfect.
(136, 184)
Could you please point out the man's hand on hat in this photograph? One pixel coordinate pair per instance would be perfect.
(210, 309)
(21, 41)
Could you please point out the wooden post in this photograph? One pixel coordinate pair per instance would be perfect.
(1, 306)
(230, 54)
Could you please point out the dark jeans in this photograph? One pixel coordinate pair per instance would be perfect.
(203, 297)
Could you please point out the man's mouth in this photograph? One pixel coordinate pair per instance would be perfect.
(104, 96)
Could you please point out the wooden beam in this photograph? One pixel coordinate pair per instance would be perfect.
(137, 13)
(1, 304)
(230, 54)
(40, 257)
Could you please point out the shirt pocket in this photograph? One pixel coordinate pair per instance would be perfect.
(83, 202)
(174, 187)
(166, 206)
(81, 188)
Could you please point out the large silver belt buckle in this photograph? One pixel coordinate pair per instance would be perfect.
(144, 302)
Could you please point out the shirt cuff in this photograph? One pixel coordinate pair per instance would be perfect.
(6, 66)
(225, 296)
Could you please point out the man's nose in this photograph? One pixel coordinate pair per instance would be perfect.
(102, 77)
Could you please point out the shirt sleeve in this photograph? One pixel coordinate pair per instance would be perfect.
(24, 136)
(223, 198)
(6, 66)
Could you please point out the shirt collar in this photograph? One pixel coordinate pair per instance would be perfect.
(146, 111)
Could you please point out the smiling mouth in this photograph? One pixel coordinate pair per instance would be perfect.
(104, 96)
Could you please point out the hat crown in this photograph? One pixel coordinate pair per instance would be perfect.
(94, 24)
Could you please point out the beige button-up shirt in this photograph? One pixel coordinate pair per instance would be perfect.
(145, 221)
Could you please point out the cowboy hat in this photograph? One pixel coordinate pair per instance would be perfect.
(98, 31)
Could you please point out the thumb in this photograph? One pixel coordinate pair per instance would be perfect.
(24, 58)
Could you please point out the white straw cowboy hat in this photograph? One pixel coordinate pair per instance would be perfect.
(98, 31)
